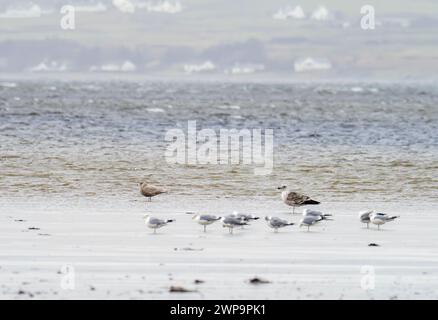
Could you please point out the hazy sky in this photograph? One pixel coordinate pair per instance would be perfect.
(228, 37)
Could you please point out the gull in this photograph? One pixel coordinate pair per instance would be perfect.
(381, 218)
(149, 190)
(295, 199)
(155, 223)
(276, 223)
(309, 221)
(230, 222)
(243, 216)
(314, 213)
(364, 217)
(205, 219)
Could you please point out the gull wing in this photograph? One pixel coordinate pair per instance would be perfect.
(277, 222)
(208, 217)
(156, 221)
(300, 199)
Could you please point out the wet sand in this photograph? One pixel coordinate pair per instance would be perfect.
(115, 256)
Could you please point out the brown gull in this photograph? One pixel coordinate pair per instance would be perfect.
(295, 199)
(149, 190)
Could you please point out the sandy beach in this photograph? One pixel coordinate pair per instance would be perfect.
(114, 256)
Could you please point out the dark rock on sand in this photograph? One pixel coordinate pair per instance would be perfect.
(257, 280)
(179, 289)
(22, 292)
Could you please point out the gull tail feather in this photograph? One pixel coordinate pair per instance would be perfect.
(310, 201)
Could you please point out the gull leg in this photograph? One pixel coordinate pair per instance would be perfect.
(368, 225)
(293, 209)
(155, 231)
(378, 227)
(308, 228)
(205, 228)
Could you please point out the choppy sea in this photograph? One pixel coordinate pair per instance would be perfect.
(337, 142)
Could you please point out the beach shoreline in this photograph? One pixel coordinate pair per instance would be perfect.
(114, 256)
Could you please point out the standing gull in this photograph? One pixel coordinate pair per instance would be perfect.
(364, 217)
(243, 216)
(276, 223)
(155, 223)
(295, 199)
(314, 213)
(230, 222)
(381, 218)
(309, 221)
(149, 190)
(205, 219)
